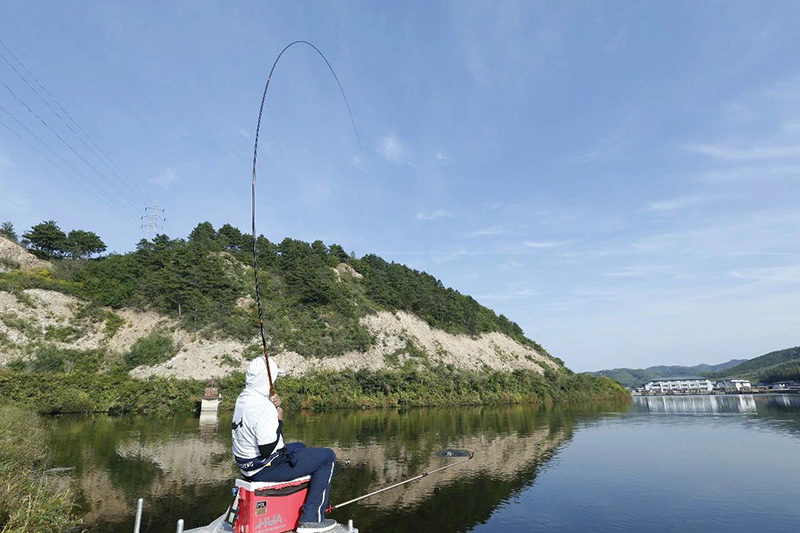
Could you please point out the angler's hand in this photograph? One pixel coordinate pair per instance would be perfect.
(276, 401)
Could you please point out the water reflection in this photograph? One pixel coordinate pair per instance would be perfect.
(705, 404)
(184, 470)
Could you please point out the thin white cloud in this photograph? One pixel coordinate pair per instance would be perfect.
(511, 294)
(460, 253)
(358, 163)
(437, 214)
(785, 274)
(675, 203)
(750, 173)
(641, 271)
(488, 232)
(544, 244)
(748, 153)
(393, 150)
(165, 178)
(442, 157)
(759, 137)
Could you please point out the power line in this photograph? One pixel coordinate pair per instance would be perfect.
(12, 130)
(130, 184)
(60, 157)
(24, 104)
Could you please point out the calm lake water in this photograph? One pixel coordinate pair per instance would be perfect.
(697, 463)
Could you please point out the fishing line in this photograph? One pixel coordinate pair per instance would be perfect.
(253, 189)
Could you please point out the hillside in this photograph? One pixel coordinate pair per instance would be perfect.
(635, 377)
(781, 365)
(186, 308)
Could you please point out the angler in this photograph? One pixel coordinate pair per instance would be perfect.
(262, 454)
(285, 486)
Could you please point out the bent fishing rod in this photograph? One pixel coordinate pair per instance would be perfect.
(253, 190)
(409, 480)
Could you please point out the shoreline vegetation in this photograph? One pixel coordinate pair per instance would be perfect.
(316, 294)
(117, 392)
(31, 499)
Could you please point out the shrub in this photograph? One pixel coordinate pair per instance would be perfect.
(51, 358)
(8, 264)
(151, 350)
(113, 324)
(228, 360)
(37, 278)
(27, 326)
(68, 400)
(62, 333)
(95, 313)
(17, 364)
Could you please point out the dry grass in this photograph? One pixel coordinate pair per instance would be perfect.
(30, 500)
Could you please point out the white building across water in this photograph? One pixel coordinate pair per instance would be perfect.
(679, 384)
(733, 383)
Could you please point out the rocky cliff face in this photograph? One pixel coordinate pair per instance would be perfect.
(36, 316)
(31, 318)
(14, 256)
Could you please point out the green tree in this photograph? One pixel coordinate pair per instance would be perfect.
(203, 235)
(7, 230)
(81, 244)
(305, 270)
(338, 254)
(45, 240)
(232, 239)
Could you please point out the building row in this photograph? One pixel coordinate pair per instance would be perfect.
(694, 384)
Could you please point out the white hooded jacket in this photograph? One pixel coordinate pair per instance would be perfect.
(255, 419)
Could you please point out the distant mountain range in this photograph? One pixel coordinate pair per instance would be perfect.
(781, 365)
(634, 377)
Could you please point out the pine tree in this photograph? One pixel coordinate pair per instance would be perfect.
(7, 230)
(81, 244)
(45, 240)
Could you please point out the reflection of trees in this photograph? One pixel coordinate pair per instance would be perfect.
(511, 444)
(781, 412)
(119, 459)
(776, 412)
(184, 473)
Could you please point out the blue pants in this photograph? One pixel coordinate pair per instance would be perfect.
(301, 461)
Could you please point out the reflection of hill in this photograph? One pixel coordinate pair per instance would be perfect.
(503, 456)
(184, 472)
(455, 499)
(173, 466)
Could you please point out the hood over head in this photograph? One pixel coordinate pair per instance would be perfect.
(256, 377)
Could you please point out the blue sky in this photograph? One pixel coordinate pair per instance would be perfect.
(619, 178)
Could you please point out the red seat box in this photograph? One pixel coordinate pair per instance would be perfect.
(270, 507)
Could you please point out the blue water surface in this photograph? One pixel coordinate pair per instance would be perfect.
(696, 463)
(670, 464)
